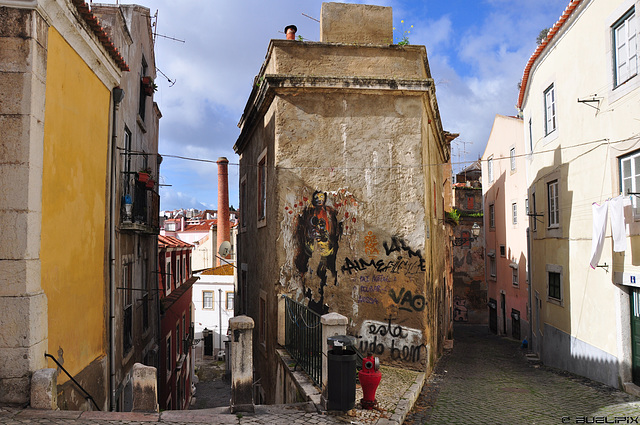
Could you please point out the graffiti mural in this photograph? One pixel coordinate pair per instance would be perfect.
(313, 228)
(460, 311)
(412, 264)
(398, 342)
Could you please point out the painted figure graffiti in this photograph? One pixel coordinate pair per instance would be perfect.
(318, 232)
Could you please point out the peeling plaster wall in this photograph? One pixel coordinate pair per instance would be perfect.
(356, 214)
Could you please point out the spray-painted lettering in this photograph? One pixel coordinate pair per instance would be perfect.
(400, 343)
(407, 301)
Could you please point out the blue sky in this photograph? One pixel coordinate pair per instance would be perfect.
(477, 51)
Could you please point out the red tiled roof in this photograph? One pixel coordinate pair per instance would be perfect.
(171, 242)
(573, 4)
(105, 40)
(202, 226)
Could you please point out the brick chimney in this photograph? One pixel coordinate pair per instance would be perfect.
(223, 204)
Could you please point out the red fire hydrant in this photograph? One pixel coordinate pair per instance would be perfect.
(369, 378)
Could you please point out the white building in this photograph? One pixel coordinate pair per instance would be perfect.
(213, 296)
(580, 106)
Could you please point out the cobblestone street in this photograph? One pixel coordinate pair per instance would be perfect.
(487, 379)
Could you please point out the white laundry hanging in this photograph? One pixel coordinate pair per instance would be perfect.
(599, 228)
(618, 229)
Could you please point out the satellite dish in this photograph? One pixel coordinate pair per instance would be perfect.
(225, 249)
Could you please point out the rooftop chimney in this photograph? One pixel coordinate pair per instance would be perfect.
(356, 23)
(223, 204)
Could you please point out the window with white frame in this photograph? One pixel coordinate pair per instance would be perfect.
(514, 213)
(229, 300)
(554, 283)
(553, 207)
(178, 272)
(625, 43)
(167, 273)
(512, 157)
(490, 168)
(630, 178)
(514, 276)
(185, 273)
(526, 206)
(207, 300)
(549, 110)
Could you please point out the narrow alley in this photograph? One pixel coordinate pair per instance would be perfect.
(487, 379)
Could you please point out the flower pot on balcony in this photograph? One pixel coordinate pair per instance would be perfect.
(150, 184)
(143, 177)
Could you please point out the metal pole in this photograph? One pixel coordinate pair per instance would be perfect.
(220, 320)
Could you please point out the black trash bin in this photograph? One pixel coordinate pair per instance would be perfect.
(341, 373)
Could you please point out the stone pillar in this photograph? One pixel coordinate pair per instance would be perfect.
(23, 304)
(241, 364)
(44, 389)
(332, 324)
(145, 393)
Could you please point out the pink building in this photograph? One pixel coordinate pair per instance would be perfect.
(506, 221)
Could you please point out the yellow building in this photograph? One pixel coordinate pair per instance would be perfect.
(57, 73)
(579, 103)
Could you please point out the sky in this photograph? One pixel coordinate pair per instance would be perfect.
(477, 51)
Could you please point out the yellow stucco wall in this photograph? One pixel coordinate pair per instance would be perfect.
(73, 205)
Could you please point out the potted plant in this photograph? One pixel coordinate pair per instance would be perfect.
(149, 86)
(144, 175)
(150, 183)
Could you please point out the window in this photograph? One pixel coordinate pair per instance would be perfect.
(549, 110)
(492, 266)
(262, 186)
(526, 206)
(535, 218)
(552, 198)
(262, 323)
(514, 213)
(127, 303)
(229, 303)
(207, 300)
(184, 332)
(630, 178)
(490, 168)
(503, 251)
(625, 44)
(554, 285)
(167, 272)
(470, 202)
(512, 156)
(492, 216)
(143, 96)
(514, 273)
(243, 202)
(185, 272)
(178, 275)
(466, 237)
(177, 344)
(168, 365)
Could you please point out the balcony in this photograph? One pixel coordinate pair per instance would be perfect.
(145, 211)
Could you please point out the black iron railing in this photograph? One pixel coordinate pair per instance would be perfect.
(87, 396)
(303, 338)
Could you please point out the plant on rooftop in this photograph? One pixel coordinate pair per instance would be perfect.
(403, 40)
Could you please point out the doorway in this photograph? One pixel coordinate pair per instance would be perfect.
(635, 335)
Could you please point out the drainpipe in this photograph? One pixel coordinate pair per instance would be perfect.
(118, 95)
(529, 307)
(220, 320)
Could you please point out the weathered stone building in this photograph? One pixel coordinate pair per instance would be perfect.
(342, 192)
(469, 283)
(66, 274)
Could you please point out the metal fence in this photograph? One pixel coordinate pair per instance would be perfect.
(303, 338)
